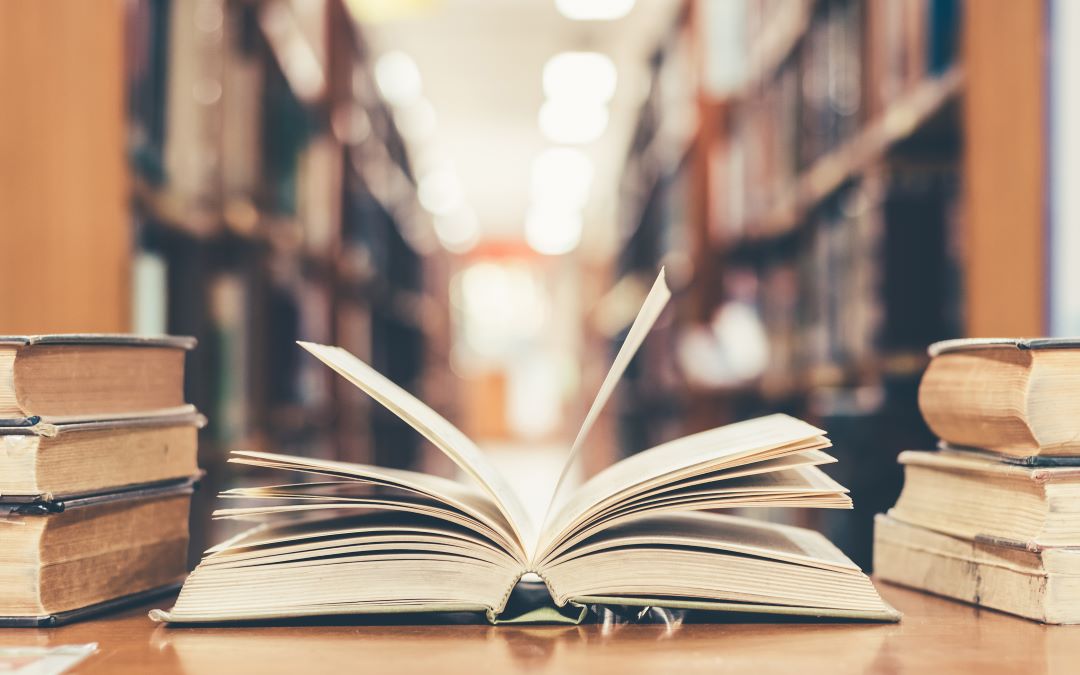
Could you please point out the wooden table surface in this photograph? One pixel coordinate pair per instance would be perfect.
(936, 636)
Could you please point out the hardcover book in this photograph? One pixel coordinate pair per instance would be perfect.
(973, 496)
(1036, 583)
(47, 461)
(643, 532)
(88, 378)
(62, 559)
(1016, 397)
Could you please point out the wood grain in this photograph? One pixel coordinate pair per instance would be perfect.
(1004, 167)
(936, 635)
(65, 262)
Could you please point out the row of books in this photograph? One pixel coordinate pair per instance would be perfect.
(97, 473)
(991, 517)
(299, 222)
(840, 239)
(266, 213)
(843, 291)
(250, 305)
(853, 61)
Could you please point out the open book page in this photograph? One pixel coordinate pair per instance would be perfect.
(650, 310)
(714, 449)
(800, 459)
(718, 562)
(467, 498)
(322, 529)
(435, 428)
(724, 533)
(285, 509)
(370, 563)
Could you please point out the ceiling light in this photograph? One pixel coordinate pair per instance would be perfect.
(398, 78)
(439, 191)
(572, 124)
(581, 76)
(594, 10)
(458, 231)
(553, 231)
(561, 177)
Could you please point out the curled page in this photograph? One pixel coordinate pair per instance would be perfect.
(434, 427)
(650, 310)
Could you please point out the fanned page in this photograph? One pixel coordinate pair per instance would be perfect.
(434, 427)
(712, 450)
(650, 310)
(358, 485)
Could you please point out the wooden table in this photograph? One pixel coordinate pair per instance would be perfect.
(936, 636)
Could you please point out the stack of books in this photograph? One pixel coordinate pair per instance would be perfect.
(98, 458)
(993, 517)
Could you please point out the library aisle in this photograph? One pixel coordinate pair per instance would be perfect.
(475, 198)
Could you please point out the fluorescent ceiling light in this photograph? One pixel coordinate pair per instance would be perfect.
(553, 231)
(561, 178)
(439, 191)
(398, 78)
(581, 76)
(594, 10)
(458, 231)
(503, 305)
(572, 124)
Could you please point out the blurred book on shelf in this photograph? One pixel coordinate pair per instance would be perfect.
(813, 218)
(274, 201)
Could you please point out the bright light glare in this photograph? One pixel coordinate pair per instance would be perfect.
(572, 124)
(417, 121)
(561, 177)
(594, 10)
(458, 231)
(439, 191)
(398, 78)
(585, 77)
(534, 397)
(553, 231)
(503, 306)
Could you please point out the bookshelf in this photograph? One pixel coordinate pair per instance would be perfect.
(854, 190)
(274, 202)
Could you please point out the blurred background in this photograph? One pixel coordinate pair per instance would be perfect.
(474, 196)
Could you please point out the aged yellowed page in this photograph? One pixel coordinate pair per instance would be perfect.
(650, 310)
(434, 427)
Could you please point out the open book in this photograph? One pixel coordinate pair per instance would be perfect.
(365, 539)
